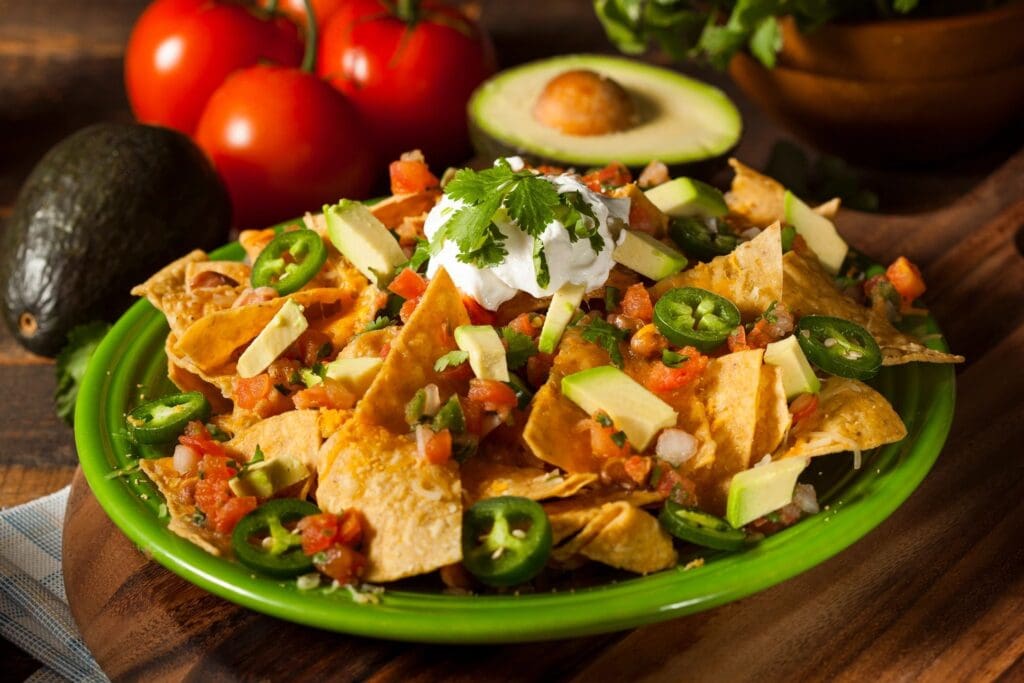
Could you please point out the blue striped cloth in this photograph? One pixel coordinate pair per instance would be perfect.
(34, 613)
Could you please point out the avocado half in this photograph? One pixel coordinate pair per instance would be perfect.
(681, 121)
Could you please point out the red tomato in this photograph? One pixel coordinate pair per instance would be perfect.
(342, 564)
(197, 437)
(674, 485)
(318, 532)
(410, 77)
(906, 278)
(408, 284)
(330, 393)
(296, 10)
(405, 312)
(438, 446)
(494, 395)
(233, 509)
(611, 176)
(636, 303)
(664, 379)
(524, 324)
(180, 52)
(249, 390)
(737, 340)
(478, 315)
(603, 445)
(638, 468)
(284, 142)
(350, 529)
(411, 176)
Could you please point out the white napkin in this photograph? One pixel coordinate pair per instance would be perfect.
(34, 613)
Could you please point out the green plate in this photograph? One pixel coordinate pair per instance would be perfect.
(130, 364)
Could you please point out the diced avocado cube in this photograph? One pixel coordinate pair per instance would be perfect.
(266, 478)
(560, 312)
(310, 378)
(647, 256)
(486, 352)
(819, 232)
(755, 492)
(356, 374)
(283, 329)
(363, 239)
(688, 197)
(797, 374)
(632, 408)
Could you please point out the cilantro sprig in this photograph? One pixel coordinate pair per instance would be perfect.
(520, 348)
(607, 336)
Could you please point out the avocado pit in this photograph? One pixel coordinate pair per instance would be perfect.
(27, 325)
(584, 103)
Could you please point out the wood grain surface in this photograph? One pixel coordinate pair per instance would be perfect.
(934, 594)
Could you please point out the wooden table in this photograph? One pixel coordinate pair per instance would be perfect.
(935, 592)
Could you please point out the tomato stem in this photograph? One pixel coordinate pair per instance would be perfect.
(309, 59)
(407, 10)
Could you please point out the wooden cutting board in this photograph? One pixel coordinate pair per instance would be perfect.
(936, 592)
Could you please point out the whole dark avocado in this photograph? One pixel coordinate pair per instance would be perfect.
(102, 211)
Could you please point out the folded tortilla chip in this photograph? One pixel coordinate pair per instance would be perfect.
(213, 342)
(295, 433)
(168, 292)
(632, 540)
(552, 429)
(207, 274)
(755, 197)
(693, 418)
(570, 515)
(851, 416)
(253, 242)
(393, 210)
(177, 492)
(186, 380)
(482, 478)
(409, 365)
(221, 384)
(412, 509)
(370, 344)
(809, 289)
(750, 276)
(774, 418)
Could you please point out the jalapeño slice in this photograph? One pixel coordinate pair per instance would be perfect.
(163, 419)
(505, 540)
(261, 540)
(700, 528)
(839, 347)
(696, 239)
(690, 316)
(291, 260)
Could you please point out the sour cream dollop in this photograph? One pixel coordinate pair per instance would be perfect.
(568, 262)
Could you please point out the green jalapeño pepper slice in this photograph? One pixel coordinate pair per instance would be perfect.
(291, 260)
(700, 528)
(690, 316)
(696, 239)
(839, 347)
(163, 419)
(505, 540)
(261, 540)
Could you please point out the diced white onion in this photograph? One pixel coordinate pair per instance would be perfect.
(185, 459)
(806, 499)
(308, 582)
(432, 404)
(750, 233)
(421, 440)
(676, 446)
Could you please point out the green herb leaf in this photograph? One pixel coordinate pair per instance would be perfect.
(531, 203)
(379, 323)
(420, 255)
(673, 359)
(257, 456)
(619, 438)
(612, 296)
(540, 264)
(520, 348)
(71, 365)
(766, 41)
(607, 336)
(450, 360)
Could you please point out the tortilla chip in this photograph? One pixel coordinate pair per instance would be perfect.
(186, 380)
(551, 430)
(221, 383)
(851, 415)
(232, 274)
(253, 241)
(393, 210)
(211, 342)
(693, 418)
(755, 197)
(409, 365)
(412, 509)
(632, 540)
(594, 519)
(168, 293)
(570, 515)
(295, 433)
(774, 417)
(809, 289)
(750, 276)
(177, 493)
(370, 344)
(482, 478)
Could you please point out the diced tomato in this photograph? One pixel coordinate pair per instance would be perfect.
(408, 176)
(478, 315)
(611, 176)
(197, 437)
(524, 324)
(636, 303)
(437, 446)
(408, 284)
(341, 563)
(350, 529)
(538, 367)
(216, 468)
(803, 406)
(457, 374)
(737, 340)
(494, 395)
(545, 169)
(407, 308)
(319, 532)
(638, 468)
(248, 391)
(328, 394)
(310, 347)
(602, 443)
(801, 247)
(473, 413)
(646, 217)
(760, 336)
(673, 485)
(233, 509)
(662, 378)
(906, 278)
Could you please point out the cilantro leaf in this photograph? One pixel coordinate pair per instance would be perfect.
(520, 348)
(420, 255)
(71, 364)
(531, 203)
(472, 228)
(540, 264)
(607, 336)
(450, 360)
(379, 323)
(257, 456)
